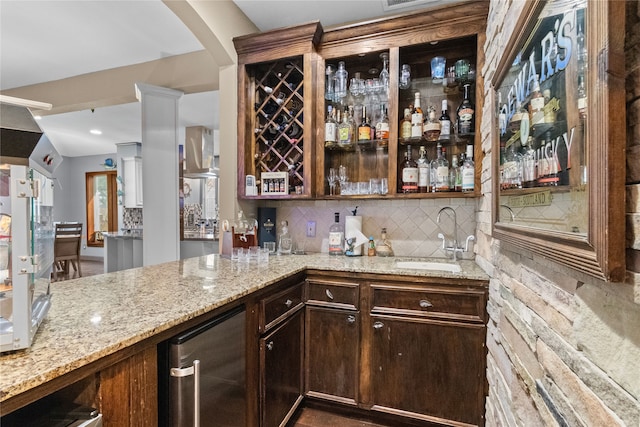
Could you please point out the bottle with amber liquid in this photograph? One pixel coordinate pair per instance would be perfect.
(405, 123)
(409, 173)
(432, 126)
(417, 117)
(365, 131)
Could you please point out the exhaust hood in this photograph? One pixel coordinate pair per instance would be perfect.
(200, 155)
(23, 142)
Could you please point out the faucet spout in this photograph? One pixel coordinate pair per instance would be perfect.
(455, 247)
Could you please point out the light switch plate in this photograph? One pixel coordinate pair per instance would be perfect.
(311, 229)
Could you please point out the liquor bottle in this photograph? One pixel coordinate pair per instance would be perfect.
(345, 130)
(409, 173)
(423, 171)
(432, 126)
(417, 117)
(336, 237)
(529, 165)
(382, 128)
(364, 129)
(405, 124)
(536, 104)
(455, 179)
(468, 171)
(582, 97)
(512, 169)
(440, 171)
(466, 113)
(330, 128)
(445, 121)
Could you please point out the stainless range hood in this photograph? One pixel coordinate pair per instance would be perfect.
(23, 142)
(200, 156)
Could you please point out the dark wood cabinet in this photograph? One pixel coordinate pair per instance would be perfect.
(281, 352)
(281, 371)
(332, 346)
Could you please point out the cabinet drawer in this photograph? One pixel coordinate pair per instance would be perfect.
(280, 305)
(431, 302)
(334, 294)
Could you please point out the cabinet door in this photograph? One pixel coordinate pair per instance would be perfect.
(132, 171)
(281, 371)
(428, 369)
(332, 354)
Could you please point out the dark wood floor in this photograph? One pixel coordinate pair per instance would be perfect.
(311, 417)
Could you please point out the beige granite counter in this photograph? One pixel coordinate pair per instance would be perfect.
(96, 316)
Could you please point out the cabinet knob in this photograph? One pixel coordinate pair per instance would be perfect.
(288, 303)
(270, 345)
(329, 294)
(425, 303)
(378, 325)
(351, 318)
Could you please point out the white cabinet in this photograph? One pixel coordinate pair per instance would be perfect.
(132, 177)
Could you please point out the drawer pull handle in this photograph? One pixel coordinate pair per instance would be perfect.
(351, 318)
(288, 303)
(270, 345)
(425, 304)
(378, 325)
(329, 294)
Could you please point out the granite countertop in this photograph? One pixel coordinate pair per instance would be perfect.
(96, 316)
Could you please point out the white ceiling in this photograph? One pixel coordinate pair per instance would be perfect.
(42, 41)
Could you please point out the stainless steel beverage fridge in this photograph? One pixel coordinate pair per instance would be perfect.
(203, 374)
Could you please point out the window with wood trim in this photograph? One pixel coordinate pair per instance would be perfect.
(102, 205)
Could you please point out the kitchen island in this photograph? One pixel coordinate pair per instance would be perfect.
(102, 320)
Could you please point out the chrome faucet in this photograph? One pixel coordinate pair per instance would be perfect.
(454, 248)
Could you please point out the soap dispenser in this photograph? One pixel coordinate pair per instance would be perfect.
(384, 248)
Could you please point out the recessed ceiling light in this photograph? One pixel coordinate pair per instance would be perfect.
(96, 131)
(37, 117)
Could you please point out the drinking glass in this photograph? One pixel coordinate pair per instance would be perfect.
(437, 68)
(332, 178)
(384, 186)
(342, 176)
(384, 74)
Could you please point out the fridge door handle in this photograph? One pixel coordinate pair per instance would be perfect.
(195, 371)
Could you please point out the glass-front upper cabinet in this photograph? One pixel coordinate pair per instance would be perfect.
(399, 110)
(559, 137)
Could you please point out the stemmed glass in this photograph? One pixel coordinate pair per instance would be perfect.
(342, 176)
(384, 74)
(332, 178)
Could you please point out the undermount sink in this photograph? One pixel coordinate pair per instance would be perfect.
(428, 265)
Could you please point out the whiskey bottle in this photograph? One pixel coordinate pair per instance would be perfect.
(468, 171)
(405, 124)
(409, 173)
(512, 169)
(440, 171)
(536, 104)
(423, 171)
(417, 117)
(336, 237)
(432, 126)
(330, 128)
(529, 165)
(382, 128)
(345, 130)
(466, 113)
(445, 121)
(455, 179)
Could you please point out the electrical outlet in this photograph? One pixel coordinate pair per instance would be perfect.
(311, 229)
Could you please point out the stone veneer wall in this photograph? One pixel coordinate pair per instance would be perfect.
(563, 349)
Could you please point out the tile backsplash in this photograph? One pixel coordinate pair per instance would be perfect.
(411, 224)
(132, 218)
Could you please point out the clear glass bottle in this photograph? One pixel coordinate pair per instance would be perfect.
(330, 128)
(423, 171)
(445, 121)
(440, 171)
(468, 171)
(455, 179)
(409, 173)
(432, 126)
(536, 104)
(466, 113)
(511, 169)
(529, 165)
(582, 97)
(345, 130)
(285, 242)
(341, 79)
(336, 237)
(417, 117)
